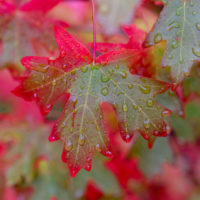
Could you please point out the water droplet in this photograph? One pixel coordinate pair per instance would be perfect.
(97, 147)
(150, 102)
(54, 82)
(135, 107)
(186, 72)
(81, 140)
(157, 38)
(170, 57)
(145, 89)
(68, 146)
(124, 74)
(166, 113)
(127, 137)
(124, 107)
(198, 26)
(146, 124)
(84, 69)
(64, 66)
(174, 44)
(35, 95)
(173, 25)
(181, 60)
(191, 4)
(104, 91)
(196, 51)
(105, 78)
(130, 86)
(63, 125)
(109, 154)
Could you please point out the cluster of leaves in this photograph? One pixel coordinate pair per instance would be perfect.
(142, 85)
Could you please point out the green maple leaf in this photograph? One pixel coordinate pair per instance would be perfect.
(179, 25)
(86, 120)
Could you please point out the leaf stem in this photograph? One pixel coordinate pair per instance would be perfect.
(94, 31)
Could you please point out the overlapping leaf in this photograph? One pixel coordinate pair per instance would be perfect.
(24, 33)
(179, 25)
(92, 87)
(111, 14)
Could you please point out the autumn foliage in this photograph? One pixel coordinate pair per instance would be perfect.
(111, 87)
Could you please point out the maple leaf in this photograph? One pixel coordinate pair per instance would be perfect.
(179, 25)
(24, 33)
(111, 14)
(81, 125)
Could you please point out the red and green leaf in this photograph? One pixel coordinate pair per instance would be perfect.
(81, 125)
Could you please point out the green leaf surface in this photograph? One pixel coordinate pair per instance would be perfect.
(150, 161)
(187, 129)
(179, 25)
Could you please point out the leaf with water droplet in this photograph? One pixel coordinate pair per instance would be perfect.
(178, 16)
(80, 126)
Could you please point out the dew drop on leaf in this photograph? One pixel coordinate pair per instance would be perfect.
(127, 137)
(157, 38)
(196, 51)
(104, 91)
(166, 113)
(54, 82)
(64, 66)
(135, 107)
(81, 140)
(35, 95)
(150, 102)
(105, 78)
(146, 124)
(97, 147)
(124, 107)
(109, 154)
(173, 25)
(174, 44)
(124, 75)
(68, 146)
(181, 60)
(186, 72)
(145, 89)
(130, 86)
(198, 26)
(170, 57)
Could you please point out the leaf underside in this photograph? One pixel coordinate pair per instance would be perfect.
(179, 25)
